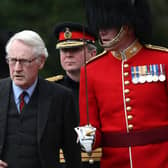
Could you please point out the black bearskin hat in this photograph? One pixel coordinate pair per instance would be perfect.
(102, 14)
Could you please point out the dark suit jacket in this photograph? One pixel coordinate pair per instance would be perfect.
(56, 121)
(74, 86)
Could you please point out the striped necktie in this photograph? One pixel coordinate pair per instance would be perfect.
(22, 101)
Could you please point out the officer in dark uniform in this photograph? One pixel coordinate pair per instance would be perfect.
(76, 44)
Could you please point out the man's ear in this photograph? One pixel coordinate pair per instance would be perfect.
(42, 61)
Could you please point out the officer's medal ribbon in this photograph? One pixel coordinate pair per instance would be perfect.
(142, 74)
(155, 73)
(134, 74)
(149, 73)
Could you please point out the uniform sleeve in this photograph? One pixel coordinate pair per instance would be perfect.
(93, 111)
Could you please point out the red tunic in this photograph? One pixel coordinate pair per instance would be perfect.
(118, 104)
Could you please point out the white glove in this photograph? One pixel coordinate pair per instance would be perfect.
(86, 137)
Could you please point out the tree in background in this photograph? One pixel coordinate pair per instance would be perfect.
(159, 10)
(4, 36)
(40, 16)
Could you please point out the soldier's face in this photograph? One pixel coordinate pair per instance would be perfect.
(113, 38)
(73, 58)
(107, 35)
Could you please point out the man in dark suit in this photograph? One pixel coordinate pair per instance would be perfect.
(35, 125)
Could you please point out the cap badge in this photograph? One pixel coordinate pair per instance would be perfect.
(67, 33)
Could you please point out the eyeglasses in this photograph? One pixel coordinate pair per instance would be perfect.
(24, 62)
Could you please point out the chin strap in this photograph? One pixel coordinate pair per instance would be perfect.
(115, 40)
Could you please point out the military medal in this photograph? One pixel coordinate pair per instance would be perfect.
(149, 74)
(155, 75)
(142, 77)
(162, 76)
(135, 74)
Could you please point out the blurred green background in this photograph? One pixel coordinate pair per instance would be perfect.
(42, 15)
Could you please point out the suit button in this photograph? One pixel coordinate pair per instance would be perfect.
(129, 108)
(126, 74)
(127, 99)
(127, 82)
(130, 126)
(130, 117)
(126, 65)
(126, 91)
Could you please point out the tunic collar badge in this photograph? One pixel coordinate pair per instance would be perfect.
(129, 52)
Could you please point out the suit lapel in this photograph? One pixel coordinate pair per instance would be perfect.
(43, 107)
(4, 102)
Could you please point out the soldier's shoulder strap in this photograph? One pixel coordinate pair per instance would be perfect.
(55, 78)
(96, 57)
(155, 47)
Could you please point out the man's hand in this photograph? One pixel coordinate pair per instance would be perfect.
(3, 164)
(86, 137)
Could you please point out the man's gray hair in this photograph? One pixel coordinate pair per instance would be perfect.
(30, 38)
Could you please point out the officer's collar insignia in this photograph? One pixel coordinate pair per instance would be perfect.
(129, 52)
(67, 33)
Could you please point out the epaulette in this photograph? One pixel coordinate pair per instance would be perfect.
(95, 57)
(155, 47)
(55, 78)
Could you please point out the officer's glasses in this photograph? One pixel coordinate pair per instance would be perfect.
(23, 62)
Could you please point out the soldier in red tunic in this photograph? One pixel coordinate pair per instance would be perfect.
(127, 87)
